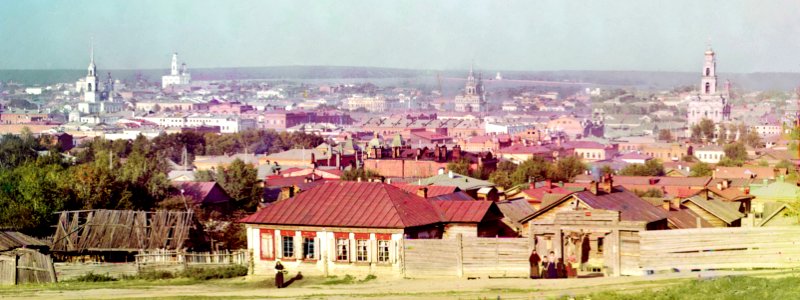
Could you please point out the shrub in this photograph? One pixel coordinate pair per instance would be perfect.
(154, 275)
(333, 280)
(92, 277)
(214, 273)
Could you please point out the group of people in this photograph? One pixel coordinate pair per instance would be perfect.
(549, 268)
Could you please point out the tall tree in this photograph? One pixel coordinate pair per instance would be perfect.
(707, 128)
(700, 169)
(240, 180)
(533, 169)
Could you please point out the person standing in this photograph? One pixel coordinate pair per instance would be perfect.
(534, 260)
(551, 268)
(279, 275)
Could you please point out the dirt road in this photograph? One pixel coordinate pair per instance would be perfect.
(443, 288)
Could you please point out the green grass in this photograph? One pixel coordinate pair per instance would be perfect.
(347, 279)
(728, 287)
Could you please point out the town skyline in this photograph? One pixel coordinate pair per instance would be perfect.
(509, 36)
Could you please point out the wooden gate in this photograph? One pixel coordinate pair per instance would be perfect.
(21, 266)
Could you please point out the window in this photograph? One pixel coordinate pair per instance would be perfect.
(383, 251)
(600, 245)
(342, 247)
(288, 246)
(362, 250)
(267, 244)
(308, 248)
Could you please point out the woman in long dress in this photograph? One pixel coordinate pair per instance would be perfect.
(278, 275)
(534, 261)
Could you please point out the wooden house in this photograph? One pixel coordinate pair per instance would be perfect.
(717, 212)
(345, 227)
(23, 260)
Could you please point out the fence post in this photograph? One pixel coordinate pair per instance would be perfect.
(459, 255)
(16, 265)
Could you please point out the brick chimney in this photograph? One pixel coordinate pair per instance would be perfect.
(593, 187)
(422, 192)
(608, 183)
(456, 152)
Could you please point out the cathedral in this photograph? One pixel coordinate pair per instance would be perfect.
(474, 97)
(96, 101)
(176, 76)
(709, 103)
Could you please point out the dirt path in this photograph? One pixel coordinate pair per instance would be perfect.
(444, 288)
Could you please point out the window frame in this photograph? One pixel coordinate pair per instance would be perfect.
(362, 250)
(270, 239)
(284, 244)
(342, 250)
(383, 257)
(305, 243)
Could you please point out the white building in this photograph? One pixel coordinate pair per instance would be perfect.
(506, 127)
(96, 101)
(709, 154)
(474, 97)
(227, 124)
(371, 104)
(176, 76)
(709, 103)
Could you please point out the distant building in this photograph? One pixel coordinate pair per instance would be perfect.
(709, 103)
(95, 101)
(474, 97)
(371, 104)
(176, 76)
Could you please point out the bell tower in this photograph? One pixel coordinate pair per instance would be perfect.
(90, 93)
(708, 82)
(174, 70)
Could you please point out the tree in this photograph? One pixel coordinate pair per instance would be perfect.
(736, 152)
(565, 169)
(501, 179)
(650, 168)
(534, 169)
(707, 129)
(700, 169)
(460, 166)
(240, 181)
(752, 139)
(697, 133)
(16, 150)
(354, 174)
(665, 135)
(728, 162)
(606, 169)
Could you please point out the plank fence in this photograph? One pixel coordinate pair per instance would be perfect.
(161, 259)
(467, 257)
(720, 248)
(23, 266)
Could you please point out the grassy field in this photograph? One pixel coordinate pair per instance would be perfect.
(713, 285)
(728, 287)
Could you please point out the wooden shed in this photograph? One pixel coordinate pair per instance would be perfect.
(21, 260)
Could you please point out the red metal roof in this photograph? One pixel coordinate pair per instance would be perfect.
(463, 211)
(350, 204)
(199, 191)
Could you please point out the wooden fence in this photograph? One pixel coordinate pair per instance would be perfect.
(120, 230)
(466, 257)
(720, 248)
(21, 266)
(173, 259)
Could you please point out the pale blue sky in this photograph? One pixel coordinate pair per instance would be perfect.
(749, 36)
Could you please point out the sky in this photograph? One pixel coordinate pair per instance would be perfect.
(748, 36)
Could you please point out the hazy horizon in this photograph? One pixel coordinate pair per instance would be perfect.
(748, 36)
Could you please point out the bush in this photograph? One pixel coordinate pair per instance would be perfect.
(154, 275)
(214, 273)
(333, 280)
(92, 277)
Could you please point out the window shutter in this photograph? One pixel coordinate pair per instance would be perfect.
(332, 249)
(278, 246)
(352, 250)
(373, 251)
(298, 246)
(393, 251)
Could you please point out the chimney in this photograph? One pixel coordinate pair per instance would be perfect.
(548, 183)
(436, 152)
(666, 204)
(725, 184)
(532, 185)
(456, 152)
(608, 183)
(652, 181)
(450, 174)
(719, 185)
(441, 171)
(359, 179)
(593, 187)
(422, 192)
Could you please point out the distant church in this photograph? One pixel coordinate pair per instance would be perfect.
(176, 76)
(709, 103)
(95, 101)
(474, 97)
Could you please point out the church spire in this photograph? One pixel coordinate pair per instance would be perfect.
(92, 69)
